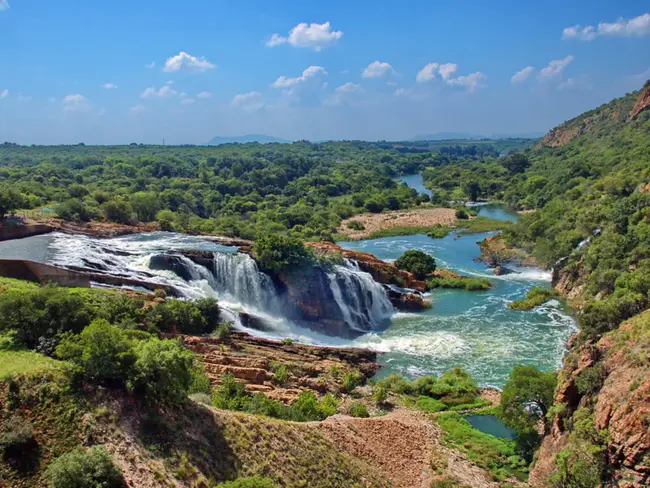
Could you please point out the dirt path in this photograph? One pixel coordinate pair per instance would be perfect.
(420, 217)
(406, 447)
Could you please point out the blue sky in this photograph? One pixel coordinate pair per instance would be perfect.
(122, 71)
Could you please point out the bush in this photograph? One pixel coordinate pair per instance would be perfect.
(455, 387)
(223, 331)
(352, 379)
(280, 375)
(355, 225)
(118, 211)
(83, 468)
(43, 313)
(380, 394)
(16, 435)
(423, 385)
(185, 317)
(417, 262)
(275, 252)
(163, 369)
(534, 298)
(462, 214)
(590, 379)
(431, 405)
(460, 283)
(358, 409)
(200, 383)
(101, 352)
(254, 482)
(73, 210)
(397, 384)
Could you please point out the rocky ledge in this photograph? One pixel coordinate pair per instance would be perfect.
(495, 252)
(256, 362)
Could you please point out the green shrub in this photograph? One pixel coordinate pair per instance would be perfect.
(358, 409)
(101, 352)
(223, 331)
(423, 385)
(428, 404)
(186, 317)
(118, 210)
(352, 379)
(163, 369)
(287, 341)
(355, 225)
(280, 375)
(534, 298)
(253, 482)
(462, 214)
(275, 252)
(460, 283)
(74, 210)
(397, 384)
(16, 435)
(84, 468)
(455, 387)
(417, 262)
(590, 379)
(200, 383)
(575, 469)
(380, 394)
(438, 232)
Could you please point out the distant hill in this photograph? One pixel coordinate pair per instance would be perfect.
(261, 138)
(444, 136)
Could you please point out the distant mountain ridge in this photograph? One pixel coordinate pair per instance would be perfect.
(261, 138)
(449, 136)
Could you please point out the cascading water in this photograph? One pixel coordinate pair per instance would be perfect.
(363, 302)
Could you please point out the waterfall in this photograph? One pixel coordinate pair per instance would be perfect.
(362, 301)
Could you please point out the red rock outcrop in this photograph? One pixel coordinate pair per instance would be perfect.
(642, 102)
(254, 361)
(381, 271)
(621, 407)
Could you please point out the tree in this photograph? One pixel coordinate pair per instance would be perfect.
(515, 163)
(83, 468)
(118, 211)
(417, 262)
(101, 351)
(73, 210)
(145, 205)
(527, 396)
(471, 189)
(10, 200)
(275, 252)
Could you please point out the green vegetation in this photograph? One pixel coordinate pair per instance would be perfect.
(17, 362)
(525, 402)
(461, 283)
(492, 453)
(231, 395)
(534, 298)
(252, 482)
(274, 253)
(417, 262)
(479, 225)
(82, 468)
(358, 409)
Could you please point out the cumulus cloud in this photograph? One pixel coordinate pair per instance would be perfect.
(248, 101)
(4, 4)
(186, 62)
(204, 94)
(377, 69)
(446, 72)
(427, 73)
(310, 73)
(344, 93)
(4, 94)
(164, 91)
(314, 36)
(555, 68)
(636, 27)
(75, 103)
(109, 86)
(522, 75)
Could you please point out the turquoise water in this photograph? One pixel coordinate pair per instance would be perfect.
(416, 182)
(489, 424)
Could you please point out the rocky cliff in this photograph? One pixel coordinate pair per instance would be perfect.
(601, 425)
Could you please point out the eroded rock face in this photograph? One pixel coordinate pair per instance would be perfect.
(642, 102)
(621, 407)
(254, 362)
(381, 271)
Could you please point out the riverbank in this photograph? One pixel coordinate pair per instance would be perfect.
(370, 223)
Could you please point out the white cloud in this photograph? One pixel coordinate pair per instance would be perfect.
(348, 88)
(4, 94)
(555, 68)
(522, 75)
(427, 73)
(164, 91)
(150, 65)
(248, 101)
(109, 86)
(4, 4)
(344, 93)
(75, 103)
(377, 69)
(186, 62)
(314, 36)
(137, 109)
(447, 70)
(636, 27)
(471, 81)
(188, 101)
(311, 72)
(204, 94)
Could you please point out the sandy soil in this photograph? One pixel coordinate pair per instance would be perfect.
(420, 217)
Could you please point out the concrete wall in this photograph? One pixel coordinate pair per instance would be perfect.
(42, 273)
(20, 231)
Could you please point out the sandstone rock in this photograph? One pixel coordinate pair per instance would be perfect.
(642, 102)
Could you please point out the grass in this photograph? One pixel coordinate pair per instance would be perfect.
(487, 451)
(409, 230)
(12, 284)
(17, 362)
(460, 283)
(479, 225)
(534, 298)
